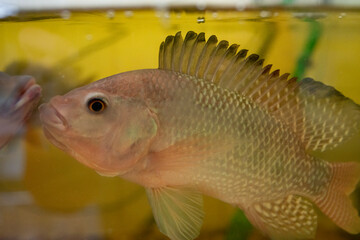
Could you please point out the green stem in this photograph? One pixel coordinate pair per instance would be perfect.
(303, 60)
(240, 227)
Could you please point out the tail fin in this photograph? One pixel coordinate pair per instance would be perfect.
(335, 203)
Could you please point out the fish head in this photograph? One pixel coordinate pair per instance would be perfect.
(18, 97)
(100, 127)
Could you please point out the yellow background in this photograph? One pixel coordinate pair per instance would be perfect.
(67, 49)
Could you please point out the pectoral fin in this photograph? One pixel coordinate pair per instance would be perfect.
(289, 218)
(178, 212)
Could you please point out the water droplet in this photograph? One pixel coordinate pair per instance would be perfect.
(66, 14)
(200, 20)
(265, 14)
(215, 15)
(342, 15)
(110, 14)
(163, 13)
(128, 14)
(166, 14)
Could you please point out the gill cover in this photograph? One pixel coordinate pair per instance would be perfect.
(131, 139)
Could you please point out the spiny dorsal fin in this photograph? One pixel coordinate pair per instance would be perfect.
(321, 116)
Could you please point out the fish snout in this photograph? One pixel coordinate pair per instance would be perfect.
(50, 117)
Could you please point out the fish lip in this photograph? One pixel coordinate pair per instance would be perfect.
(52, 118)
(107, 173)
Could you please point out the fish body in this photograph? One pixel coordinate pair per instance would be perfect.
(212, 121)
(18, 97)
(223, 127)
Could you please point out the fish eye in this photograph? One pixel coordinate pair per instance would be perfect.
(96, 105)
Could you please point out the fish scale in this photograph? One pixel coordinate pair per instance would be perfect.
(246, 119)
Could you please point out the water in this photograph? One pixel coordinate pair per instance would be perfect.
(44, 194)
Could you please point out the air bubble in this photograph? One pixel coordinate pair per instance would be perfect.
(215, 15)
(265, 14)
(163, 14)
(66, 14)
(110, 14)
(342, 15)
(129, 14)
(166, 14)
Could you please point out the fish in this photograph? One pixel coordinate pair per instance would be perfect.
(212, 120)
(18, 98)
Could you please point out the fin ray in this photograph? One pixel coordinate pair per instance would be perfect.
(187, 49)
(203, 61)
(178, 43)
(335, 203)
(178, 212)
(195, 54)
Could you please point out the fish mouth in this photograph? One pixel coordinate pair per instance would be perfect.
(51, 118)
(53, 123)
(51, 137)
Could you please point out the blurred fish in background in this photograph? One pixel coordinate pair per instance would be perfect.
(19, 96)
(50, 79)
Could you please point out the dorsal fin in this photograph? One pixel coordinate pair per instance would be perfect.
(320, 115)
